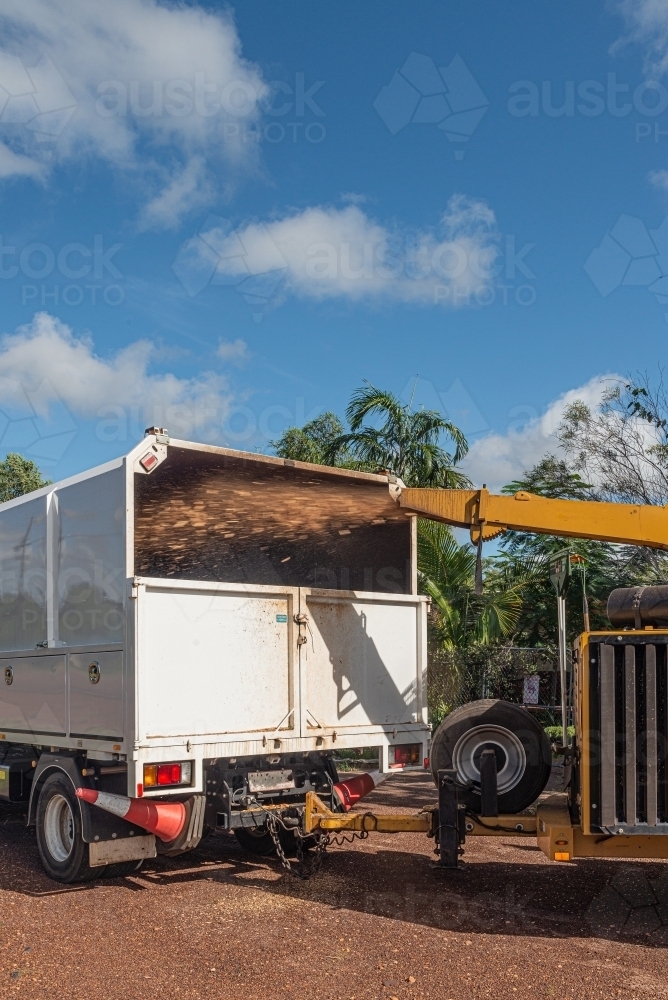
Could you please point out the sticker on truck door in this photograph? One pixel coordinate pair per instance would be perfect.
(282, 618)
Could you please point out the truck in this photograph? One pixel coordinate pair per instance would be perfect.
(189, 637)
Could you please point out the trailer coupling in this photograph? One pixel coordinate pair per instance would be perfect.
(448, 823)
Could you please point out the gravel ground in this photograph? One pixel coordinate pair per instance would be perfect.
(378, 921)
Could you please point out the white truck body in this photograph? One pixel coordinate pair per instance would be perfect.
(148, 613)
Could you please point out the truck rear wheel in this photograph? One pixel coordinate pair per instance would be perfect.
(62, 849)
(522, 751)
(258, 840)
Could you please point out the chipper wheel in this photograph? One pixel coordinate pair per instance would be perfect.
(523, 755)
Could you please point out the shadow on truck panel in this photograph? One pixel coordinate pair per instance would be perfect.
(366, 690)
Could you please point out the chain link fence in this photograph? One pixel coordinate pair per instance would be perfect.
(526, 676)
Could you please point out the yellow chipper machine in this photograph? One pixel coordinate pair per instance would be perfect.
(491, 760)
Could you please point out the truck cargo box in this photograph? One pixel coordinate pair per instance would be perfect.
(196, 602)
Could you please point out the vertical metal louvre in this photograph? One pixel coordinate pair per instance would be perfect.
(608, 816)
(629, 752)
(651, 735)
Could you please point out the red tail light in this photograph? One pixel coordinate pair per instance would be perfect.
(169, 774)
(162, 775)
(407, 753)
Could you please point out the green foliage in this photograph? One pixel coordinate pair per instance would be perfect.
(406, 443)
(311, 442)
(556, 732)
(552, 477)
(19, 475)
(349, 760)
(460, 618)
(518, 604)
(622, 444)
(438, 711)
(606, 566)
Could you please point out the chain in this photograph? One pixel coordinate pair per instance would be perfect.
(303, 869)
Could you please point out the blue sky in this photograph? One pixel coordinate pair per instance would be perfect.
(224, 219)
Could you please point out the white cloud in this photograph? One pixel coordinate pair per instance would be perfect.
(233, 350)
(190, 189)
(48, 363)
(659, 178)
(144, 85)
(14, 165)
(648, 24)
(498, 459)
(326, 252)
(352, 198)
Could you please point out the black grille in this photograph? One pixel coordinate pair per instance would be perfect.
(628, 733)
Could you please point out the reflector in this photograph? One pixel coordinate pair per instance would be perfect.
(169, 774)
(407, 753)
(163, 775)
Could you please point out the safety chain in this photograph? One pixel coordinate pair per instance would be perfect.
(303, 869)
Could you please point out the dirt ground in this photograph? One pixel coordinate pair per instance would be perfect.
(378, 921)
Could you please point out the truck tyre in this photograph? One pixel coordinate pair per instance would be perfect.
(522, 750)
(62, 849)
(258, 840)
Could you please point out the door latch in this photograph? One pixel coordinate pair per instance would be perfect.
(301, 619)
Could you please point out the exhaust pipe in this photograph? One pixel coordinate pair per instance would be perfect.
(165, 819)
(349, 792)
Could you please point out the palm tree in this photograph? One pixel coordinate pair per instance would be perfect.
(460, 617)
(407, 444)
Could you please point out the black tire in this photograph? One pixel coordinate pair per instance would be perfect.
(524, 758)
(258, 840)
(62, 849)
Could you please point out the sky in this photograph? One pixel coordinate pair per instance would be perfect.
(223, 219)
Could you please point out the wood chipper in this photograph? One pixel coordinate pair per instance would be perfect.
(491, 760)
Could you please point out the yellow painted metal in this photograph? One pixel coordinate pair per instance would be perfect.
(560, 841)
(489, 514)
(582, 733)
(501, 826)
(583, 729)
(555, 833)
(319, 817)
(620, 846)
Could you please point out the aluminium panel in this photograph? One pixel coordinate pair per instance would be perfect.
(23, 575)
(91, 560)
(34, 702)
(96, 694)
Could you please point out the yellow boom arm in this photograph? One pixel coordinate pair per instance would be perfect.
(487, 515)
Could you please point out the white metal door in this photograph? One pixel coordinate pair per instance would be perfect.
(215, 658)
(362, 660)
